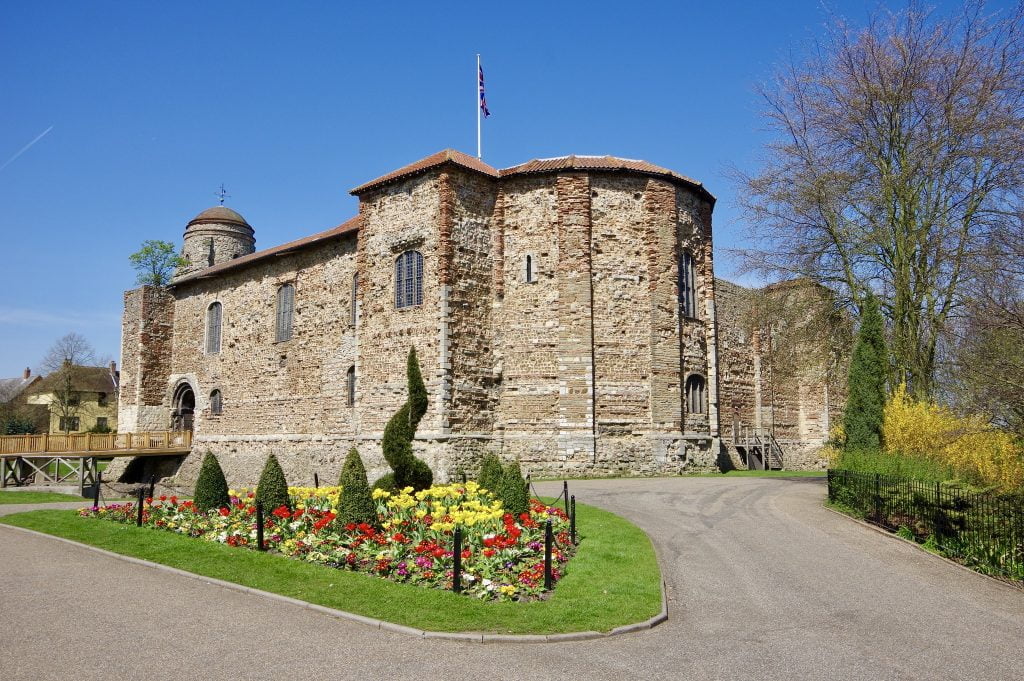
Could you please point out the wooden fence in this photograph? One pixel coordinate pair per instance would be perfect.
(104, 443)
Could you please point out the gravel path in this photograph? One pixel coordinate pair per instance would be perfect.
(763, 583)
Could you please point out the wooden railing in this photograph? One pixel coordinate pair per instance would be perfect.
(106, 443)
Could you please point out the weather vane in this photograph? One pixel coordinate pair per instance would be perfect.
(221, 193)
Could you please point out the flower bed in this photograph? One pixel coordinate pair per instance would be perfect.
(502, 556)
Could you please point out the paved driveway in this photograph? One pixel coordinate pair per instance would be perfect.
(763, 584)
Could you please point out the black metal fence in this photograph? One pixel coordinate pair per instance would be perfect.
(983, 531)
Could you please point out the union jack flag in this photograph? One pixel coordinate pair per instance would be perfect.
(483, 97)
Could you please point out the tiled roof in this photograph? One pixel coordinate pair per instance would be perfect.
(610, 163)
(425, 164)
(350, 226)
(12, 387)
(85, 379)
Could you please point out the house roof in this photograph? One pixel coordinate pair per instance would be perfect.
(424, 164)
(607, 163)
(12, 387)
(350, 226)
(84, 379)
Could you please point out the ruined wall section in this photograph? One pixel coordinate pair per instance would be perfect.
(146, 340)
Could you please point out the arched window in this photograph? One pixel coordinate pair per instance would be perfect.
(687, 285)
(214, 314)
(409, 279)
(285, 310)
(355, 298)
(529, 269)
(216, 402)
(351, 385)
(696, 398)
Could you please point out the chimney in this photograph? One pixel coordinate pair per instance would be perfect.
(28, 372)
(113, 367)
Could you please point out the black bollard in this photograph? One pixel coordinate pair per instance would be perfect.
(572, 521)
(565, 495)
(96, 490)
(259, 527)
(141, 500)
(464, 480)
(547, 555)
(316, 481)
(457, 570)
(152, 486)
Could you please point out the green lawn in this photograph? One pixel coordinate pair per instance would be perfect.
(613, 579)
(8, 497)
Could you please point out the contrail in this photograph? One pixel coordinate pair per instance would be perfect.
(26, 147)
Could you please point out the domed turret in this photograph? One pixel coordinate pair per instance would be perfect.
(214, 236)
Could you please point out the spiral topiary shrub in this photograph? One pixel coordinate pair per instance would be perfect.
(211, 488)
(407, 470)
(355, 503)
(272, 491)
(490, 473)
(512, 490)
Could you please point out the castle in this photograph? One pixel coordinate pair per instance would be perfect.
(564, 311)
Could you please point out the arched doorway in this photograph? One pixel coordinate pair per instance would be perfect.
(184, 407)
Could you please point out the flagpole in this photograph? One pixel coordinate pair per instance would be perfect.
(479, 151)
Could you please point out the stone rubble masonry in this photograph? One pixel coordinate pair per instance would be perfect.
(579, 371)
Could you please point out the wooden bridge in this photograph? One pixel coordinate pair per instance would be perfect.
(56, 459)
(759, 448)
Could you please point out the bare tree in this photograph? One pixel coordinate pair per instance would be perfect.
(987, 356)
(899, 151)
(63, 362)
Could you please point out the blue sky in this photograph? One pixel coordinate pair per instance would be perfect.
(149, 107)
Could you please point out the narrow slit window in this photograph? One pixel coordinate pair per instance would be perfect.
(214, 317)
(285, 311)
(688, 284)
(529, 269)
(355, 299)
(351, 384)
(696, 395)
(409, 279)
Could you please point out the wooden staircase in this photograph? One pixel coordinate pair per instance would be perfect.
(759, 448)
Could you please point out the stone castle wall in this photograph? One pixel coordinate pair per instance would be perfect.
(579, 371)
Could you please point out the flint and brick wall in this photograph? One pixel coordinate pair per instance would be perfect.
(580, 371)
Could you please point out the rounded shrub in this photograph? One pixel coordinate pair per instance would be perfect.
(512, 490)
(490, 472)
(211, 488)
(272, 491)
(355, 503)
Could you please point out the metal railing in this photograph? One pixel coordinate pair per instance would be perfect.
(983, 531)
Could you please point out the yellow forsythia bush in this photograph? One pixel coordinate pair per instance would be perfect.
(970, 445)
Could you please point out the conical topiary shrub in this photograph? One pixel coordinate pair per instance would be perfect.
(272, 491)
(211, 487)
(355, 502)
(865, 404)
(512, 490)
(490, 473)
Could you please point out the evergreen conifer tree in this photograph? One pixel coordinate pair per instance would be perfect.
(272, 491)
(512, 490)
(211, 488)
(355, 504)
(490, 473)
(865, 402)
